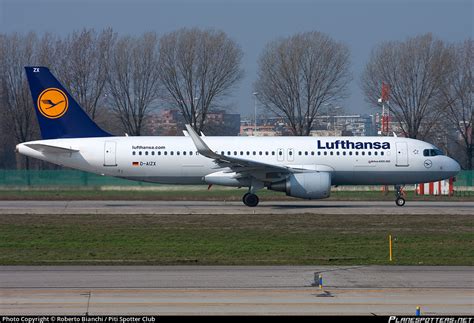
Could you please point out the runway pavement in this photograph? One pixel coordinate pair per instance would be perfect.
(378, 290)
(223, 207)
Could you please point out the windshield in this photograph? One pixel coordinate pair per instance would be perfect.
(432, 152)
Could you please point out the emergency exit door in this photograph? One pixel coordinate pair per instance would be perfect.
(280, 154)
(110, 158)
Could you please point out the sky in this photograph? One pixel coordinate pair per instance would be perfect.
(361, 24)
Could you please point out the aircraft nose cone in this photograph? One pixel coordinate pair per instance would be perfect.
(457, 167)
(454, 166)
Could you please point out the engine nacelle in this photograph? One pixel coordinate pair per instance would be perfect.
(305, 185)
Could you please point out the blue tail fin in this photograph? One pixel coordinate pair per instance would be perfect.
(59, 115)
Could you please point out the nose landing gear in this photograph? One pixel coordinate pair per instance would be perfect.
(400, 194)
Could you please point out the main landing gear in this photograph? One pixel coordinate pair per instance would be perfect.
(250, 199)
(400, 201)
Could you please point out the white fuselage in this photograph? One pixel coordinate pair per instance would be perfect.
(174, 160)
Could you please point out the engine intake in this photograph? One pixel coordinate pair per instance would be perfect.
(305, 185)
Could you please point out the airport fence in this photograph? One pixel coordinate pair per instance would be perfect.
(61, 178)
(73, 179)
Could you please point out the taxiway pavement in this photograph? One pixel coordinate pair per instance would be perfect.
(378, 290)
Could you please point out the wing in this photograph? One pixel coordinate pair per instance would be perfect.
(265, 172)
(51, 149)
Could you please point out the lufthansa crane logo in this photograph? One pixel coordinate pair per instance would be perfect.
(428, 163)
(52, 103)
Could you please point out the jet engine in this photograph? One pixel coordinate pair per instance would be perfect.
(315, 185)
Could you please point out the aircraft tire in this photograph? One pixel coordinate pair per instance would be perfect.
(400, 201)
(251, 200)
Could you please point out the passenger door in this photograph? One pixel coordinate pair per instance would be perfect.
(110, 148)
(402, 154)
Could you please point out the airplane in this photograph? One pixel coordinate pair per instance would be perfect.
(302, 167)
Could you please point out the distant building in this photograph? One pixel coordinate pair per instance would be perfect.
(324, 126)
(167, 122)
(266, 126)
(262, 130)
(345, 125)
(170, 122)
(220, 123)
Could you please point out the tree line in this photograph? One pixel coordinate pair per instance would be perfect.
(119, 80)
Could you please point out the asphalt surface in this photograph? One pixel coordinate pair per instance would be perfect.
(223, 207)
(379, 290)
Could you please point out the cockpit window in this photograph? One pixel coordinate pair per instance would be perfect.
(432, 152)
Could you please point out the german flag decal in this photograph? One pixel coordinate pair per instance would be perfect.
(135, 163)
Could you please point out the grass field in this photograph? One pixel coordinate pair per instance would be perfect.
(204, 194)
(236, 239)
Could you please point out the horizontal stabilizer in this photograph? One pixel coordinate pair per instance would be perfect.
(51, 149)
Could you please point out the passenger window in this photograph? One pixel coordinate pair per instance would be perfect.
(381, 153)
(319, 153)
(254, 153)
(266, 153)
(363, 153)
(159, 153)
(290, 153)
(171, 153)
(165, 153)
(332, 153)
(140, 153)
(325, 153)
(153, 153)
(177, 153)
(273, 153)
(357, 153)
(344, 153)
(312, 153)
(235, 153)
(337, 153)
(306, 153)
(299, 153)
(133, 153)
(241, 153)
(375, 153)
(350, 153)
(190, 153)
